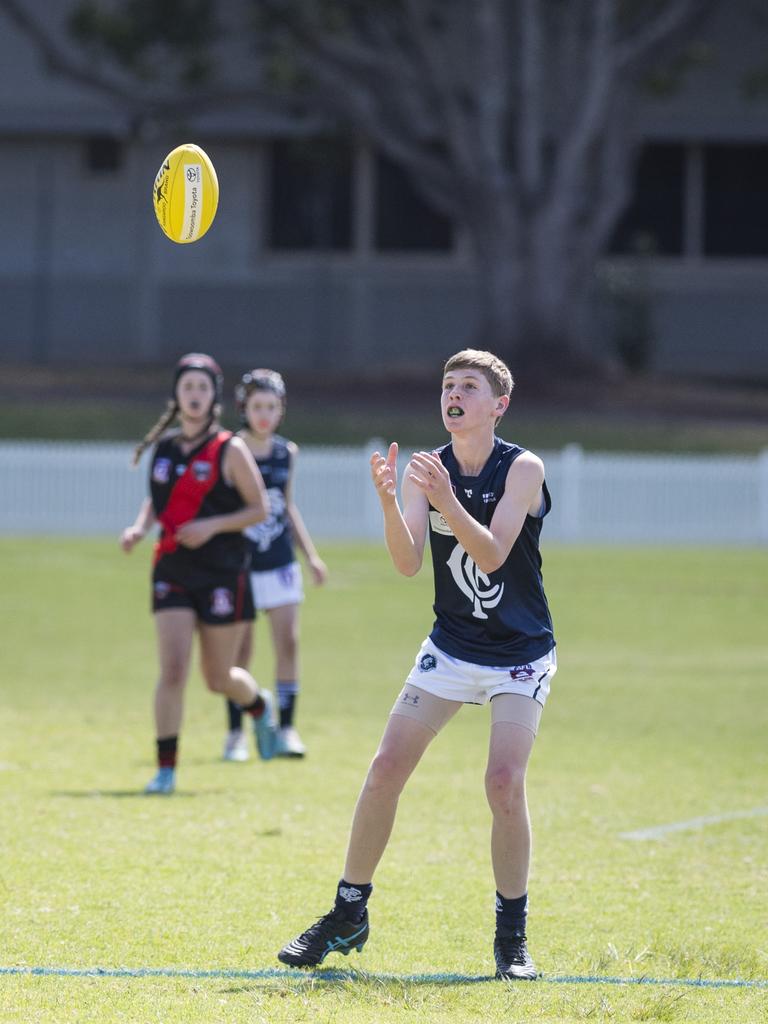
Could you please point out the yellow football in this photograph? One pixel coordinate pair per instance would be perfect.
(186, 194)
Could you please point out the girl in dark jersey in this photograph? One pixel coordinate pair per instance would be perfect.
(275, 573)
(204, 491)
(482, 502)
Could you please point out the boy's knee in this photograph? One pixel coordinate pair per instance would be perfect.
(505, 786)
(385, 772)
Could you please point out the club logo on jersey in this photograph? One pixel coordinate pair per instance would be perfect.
(474, 583)
(468, 491)
(221, 602)
(521, 673)
(264, 534)
(202, 470)
(427, 662)
(161, 471)
(439, 524)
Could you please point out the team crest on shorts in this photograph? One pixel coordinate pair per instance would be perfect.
(221, 602)
(202, 470)
(161, 471)
(427, 662)
(162, 590)
(521, 673)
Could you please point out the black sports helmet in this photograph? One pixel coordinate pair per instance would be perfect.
(259, 380)
(204, 363)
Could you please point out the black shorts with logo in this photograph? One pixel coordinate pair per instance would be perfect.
(217, 600)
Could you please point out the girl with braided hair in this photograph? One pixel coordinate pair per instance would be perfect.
(204, 491)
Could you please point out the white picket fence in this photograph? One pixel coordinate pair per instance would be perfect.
(77, 488)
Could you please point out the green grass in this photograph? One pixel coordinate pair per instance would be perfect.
(658, 714)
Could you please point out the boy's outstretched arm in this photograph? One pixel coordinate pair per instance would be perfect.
(404, 532)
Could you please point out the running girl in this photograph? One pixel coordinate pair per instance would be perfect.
(204, 490)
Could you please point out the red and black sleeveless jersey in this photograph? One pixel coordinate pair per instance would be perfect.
(224, 552)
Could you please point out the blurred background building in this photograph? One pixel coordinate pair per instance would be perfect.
(323, 248)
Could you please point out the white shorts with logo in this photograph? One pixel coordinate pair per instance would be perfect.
(275, 588)
(440, 674)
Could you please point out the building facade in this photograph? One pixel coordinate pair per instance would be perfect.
(323, 252)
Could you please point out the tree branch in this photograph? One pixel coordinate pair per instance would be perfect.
(677, 16)
(61, 62)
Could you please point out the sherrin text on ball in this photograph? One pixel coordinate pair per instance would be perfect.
(186, 194)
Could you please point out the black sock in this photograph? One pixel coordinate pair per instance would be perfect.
(351, 900)
(167, 749)
(235, 713)
(256, 707)
(511, 914)
(287, 692)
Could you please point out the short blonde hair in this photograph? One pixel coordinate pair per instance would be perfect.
(496, 372)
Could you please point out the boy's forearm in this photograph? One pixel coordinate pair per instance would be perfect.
(476, 539)
(399, 541)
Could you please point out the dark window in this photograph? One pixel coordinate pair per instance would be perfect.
(403, 219)
(736, 203)
(311, 194)
(653, 223)
(103, 154)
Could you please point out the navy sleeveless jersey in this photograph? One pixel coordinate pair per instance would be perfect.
(501, 618)
(224, 552)
(271, 542)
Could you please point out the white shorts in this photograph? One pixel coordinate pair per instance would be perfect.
(277, 587)
(452, 679)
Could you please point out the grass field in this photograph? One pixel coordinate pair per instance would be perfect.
(658, 715)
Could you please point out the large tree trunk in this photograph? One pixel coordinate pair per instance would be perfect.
(534, 295)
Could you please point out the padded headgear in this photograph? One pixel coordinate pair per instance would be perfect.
(205, 364)
(259, 380)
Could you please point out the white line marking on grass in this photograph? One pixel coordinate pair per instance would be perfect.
(658, 831)
(332, 975)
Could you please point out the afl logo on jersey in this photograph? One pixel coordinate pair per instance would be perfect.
(161, 471)
(202, 471)
(474, 583)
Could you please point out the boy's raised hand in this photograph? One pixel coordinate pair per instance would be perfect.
(384, 474)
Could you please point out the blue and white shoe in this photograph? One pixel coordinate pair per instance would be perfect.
(163, 784)
(289, 743)
(265, 727)
(236, 746)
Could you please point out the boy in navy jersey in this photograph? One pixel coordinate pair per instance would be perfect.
(482, 501)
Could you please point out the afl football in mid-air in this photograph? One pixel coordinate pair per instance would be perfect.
(186, 194)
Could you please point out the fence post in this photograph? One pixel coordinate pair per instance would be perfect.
(572, 468)
(762, 496)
